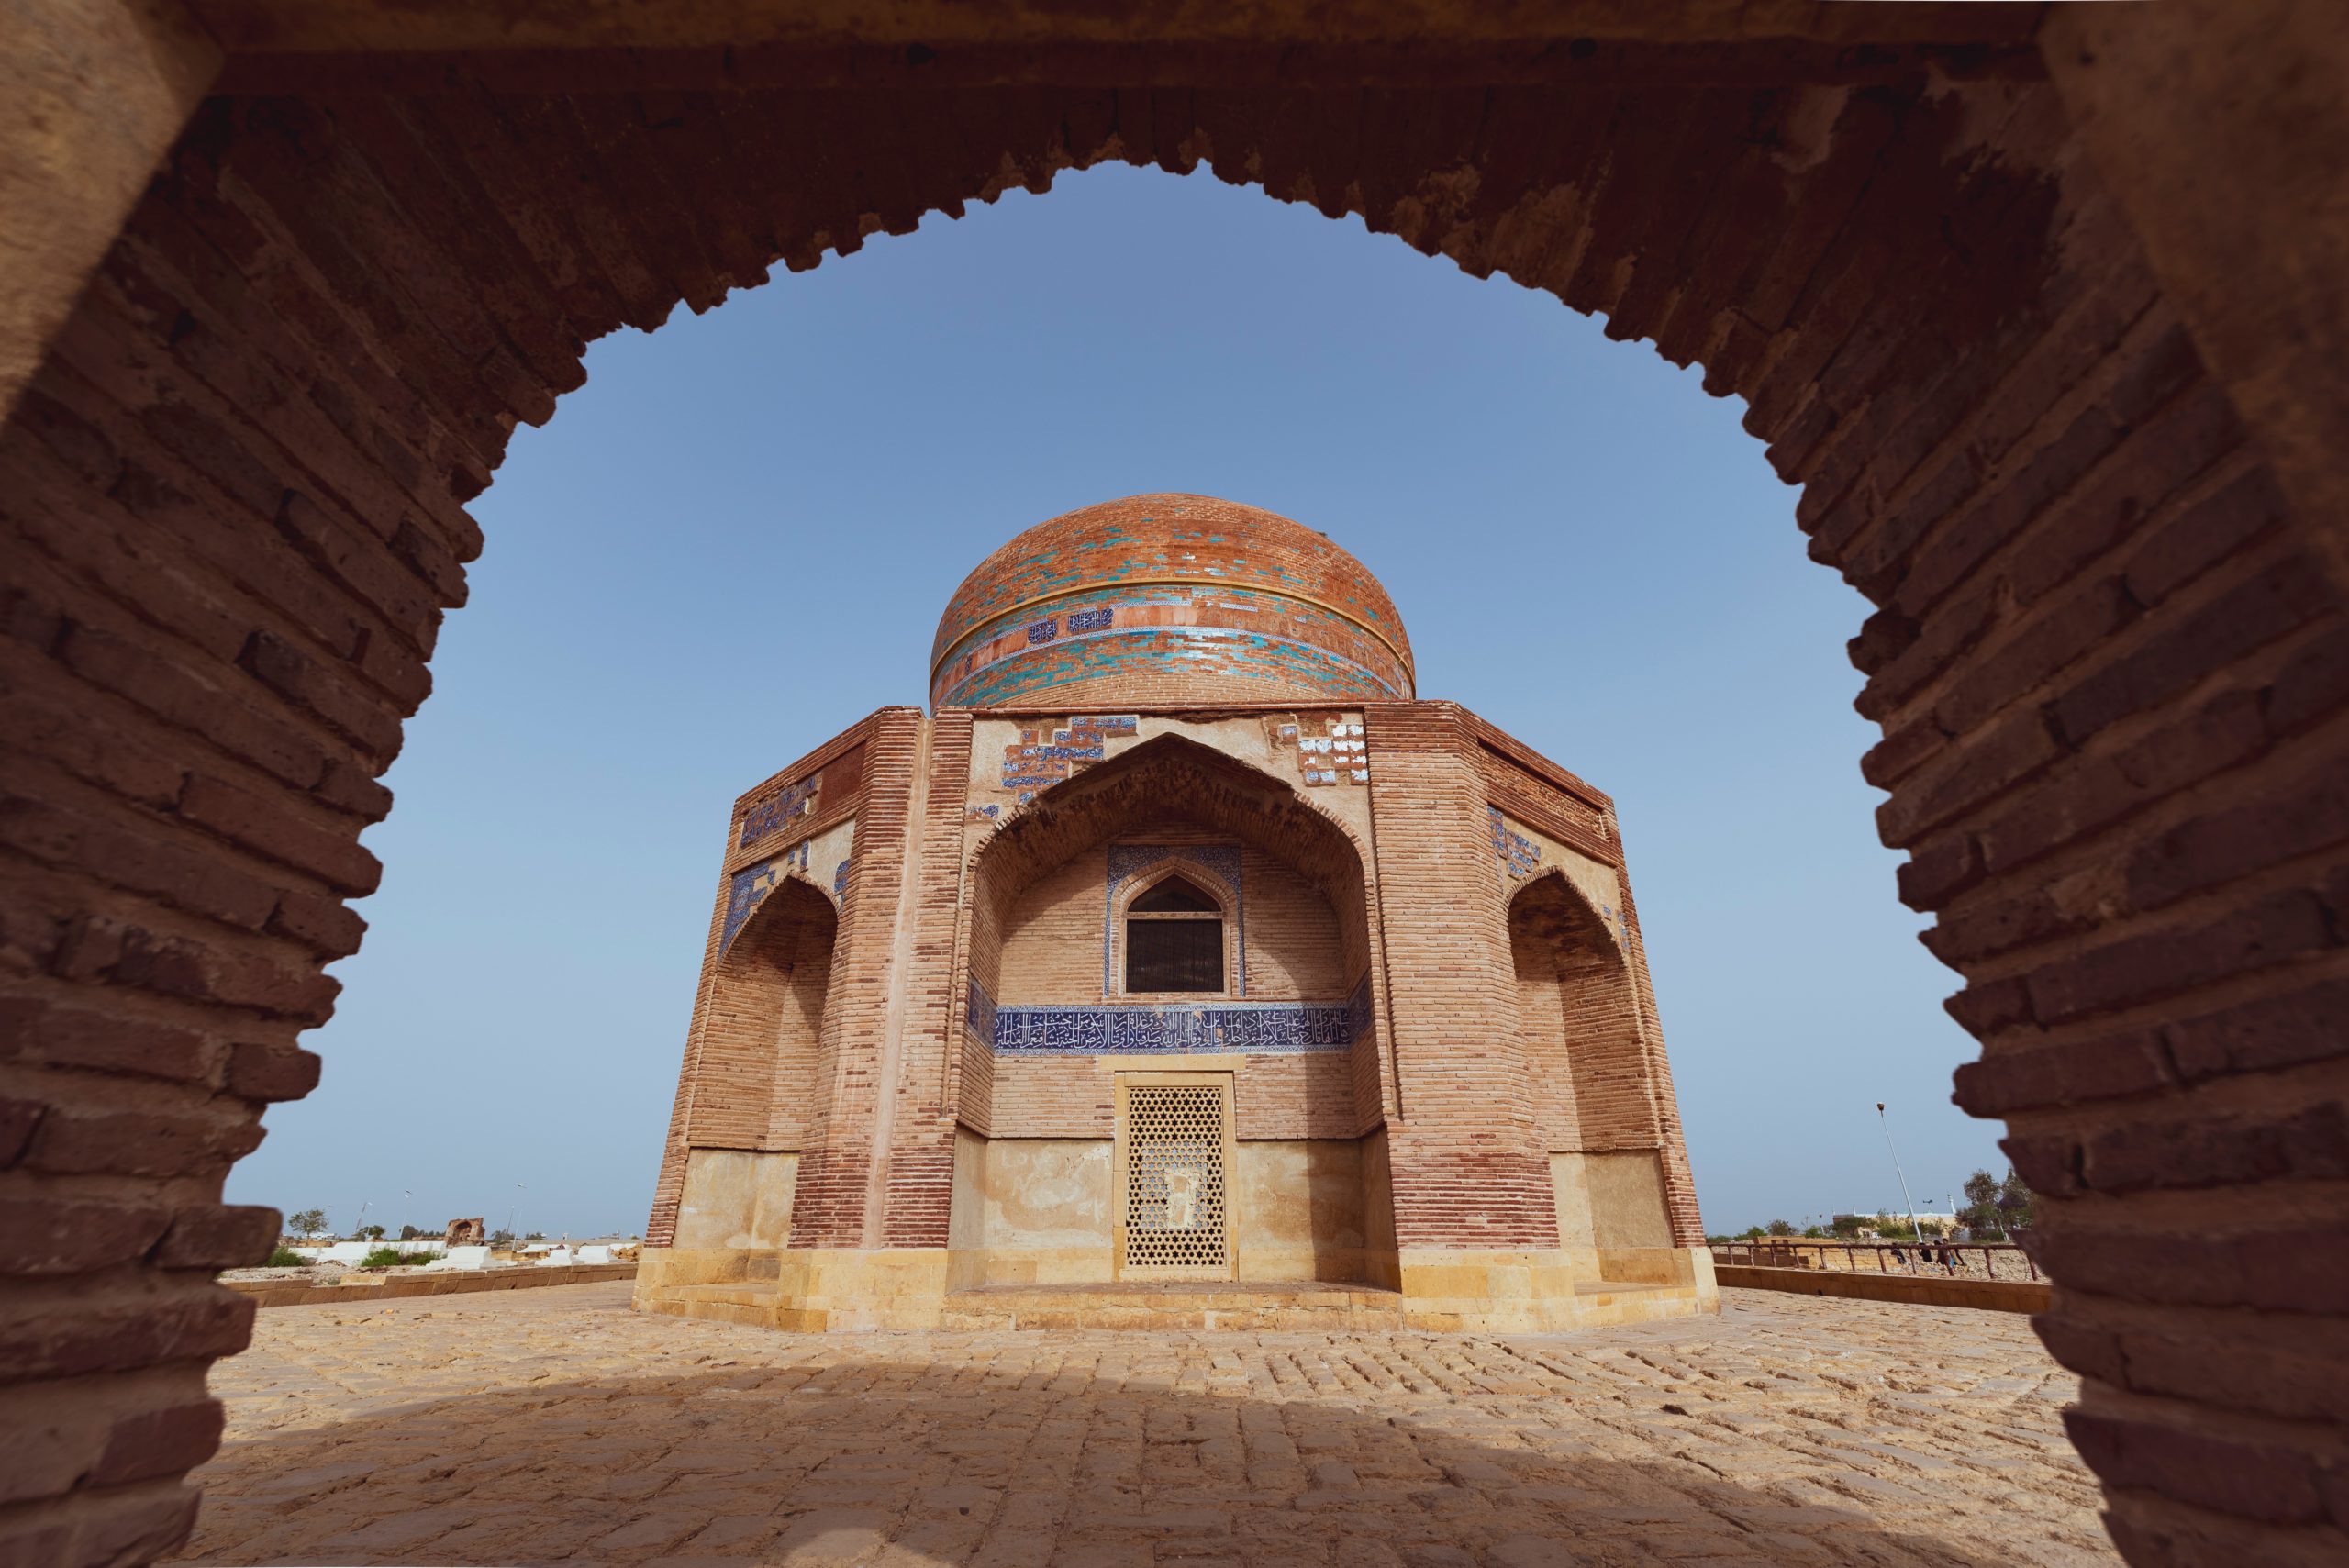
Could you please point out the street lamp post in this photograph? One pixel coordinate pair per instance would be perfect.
(1915, 1228)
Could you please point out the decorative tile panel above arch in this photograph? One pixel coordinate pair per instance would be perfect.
(1046, 753)
(1521, 853)
(820, 862)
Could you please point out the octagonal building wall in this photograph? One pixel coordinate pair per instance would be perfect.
(1411, 1132)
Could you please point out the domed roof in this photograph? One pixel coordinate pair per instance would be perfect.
(1169, 599)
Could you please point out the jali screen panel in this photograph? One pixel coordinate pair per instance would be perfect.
(1177, 1139)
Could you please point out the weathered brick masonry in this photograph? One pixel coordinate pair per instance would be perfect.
(2039, 305)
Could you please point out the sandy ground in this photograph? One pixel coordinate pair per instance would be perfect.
(558, 1426)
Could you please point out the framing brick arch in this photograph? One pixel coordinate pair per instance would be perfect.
(2108, 658)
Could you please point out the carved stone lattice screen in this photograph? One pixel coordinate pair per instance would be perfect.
(1175, 1140)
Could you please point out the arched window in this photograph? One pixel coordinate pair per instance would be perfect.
(1174, 939)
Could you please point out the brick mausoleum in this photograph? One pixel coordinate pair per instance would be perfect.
(1180, 944)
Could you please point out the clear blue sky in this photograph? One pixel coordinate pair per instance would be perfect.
(735, 540)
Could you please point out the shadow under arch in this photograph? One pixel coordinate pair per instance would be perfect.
(321, 322)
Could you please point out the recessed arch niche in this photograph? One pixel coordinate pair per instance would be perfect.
(1051, 891)
(745, 1120)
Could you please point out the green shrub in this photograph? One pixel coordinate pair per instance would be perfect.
(286, 1258)
(392, 1257)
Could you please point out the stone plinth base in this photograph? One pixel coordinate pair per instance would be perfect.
(1442, 1292)
(1464, 1291)
(1207, 1305)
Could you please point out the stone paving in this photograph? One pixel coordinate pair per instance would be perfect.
(558, 1426)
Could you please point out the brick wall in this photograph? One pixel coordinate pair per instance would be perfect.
(1553, 1025)
(916, 1188)
(864, 1015)
(1467, 1157)
(1052, 943)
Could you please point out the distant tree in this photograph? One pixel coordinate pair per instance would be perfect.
(370, 1233)
(410, 1233)
(1780, 1228)
(535, 1235)
(307, 1223)
(1814, 1232)
(1981, 1210)
(501, 1238)
(2017, 1202)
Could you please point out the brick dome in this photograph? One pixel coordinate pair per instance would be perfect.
(1169, 598)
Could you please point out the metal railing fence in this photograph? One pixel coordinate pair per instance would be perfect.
(1887, 1257)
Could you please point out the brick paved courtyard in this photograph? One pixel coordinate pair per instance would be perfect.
(557, 1425)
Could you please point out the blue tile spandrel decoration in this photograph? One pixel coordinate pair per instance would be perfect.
(772, 816)
(1516, 854)
(749, 887)
(744, 891)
